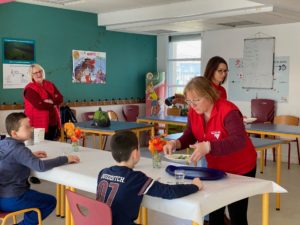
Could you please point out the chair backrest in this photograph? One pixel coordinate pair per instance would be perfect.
(286, 120)
(173, 111)
(263, 110)
(130, 112)
(5, 217)
(112, 115)
(87, 211)
(86, 116)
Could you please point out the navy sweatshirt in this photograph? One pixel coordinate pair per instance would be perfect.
(16, 161)
(123, 189)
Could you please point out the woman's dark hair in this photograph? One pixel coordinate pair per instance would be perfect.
(122, 144)
(13, 121)
(212, 66)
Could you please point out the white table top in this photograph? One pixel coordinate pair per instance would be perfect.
(215, 194)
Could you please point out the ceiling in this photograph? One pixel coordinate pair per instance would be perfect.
(181, 16)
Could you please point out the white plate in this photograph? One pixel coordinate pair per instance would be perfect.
(249, 119)
(183, 158)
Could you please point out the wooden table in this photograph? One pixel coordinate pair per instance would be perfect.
(165, 120)
(194, 207)
(115, 126)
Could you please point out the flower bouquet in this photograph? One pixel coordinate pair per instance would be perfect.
(156, 145)
(74, 133)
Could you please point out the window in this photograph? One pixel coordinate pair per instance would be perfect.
(184, 62)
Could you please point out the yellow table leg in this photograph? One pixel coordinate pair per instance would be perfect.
(152, 132)
(101, 141)
(194, 223)
(278, 174)
(58, 187)
(62, 200)
(262, 155)
(144, 216)
(139, 219)
(265, 209)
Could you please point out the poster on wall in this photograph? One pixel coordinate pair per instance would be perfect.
(155, 93)
(17, 56)
(89, 67)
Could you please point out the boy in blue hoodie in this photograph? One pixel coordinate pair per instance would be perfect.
(16, 161)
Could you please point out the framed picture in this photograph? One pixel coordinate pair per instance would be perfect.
(18, 51)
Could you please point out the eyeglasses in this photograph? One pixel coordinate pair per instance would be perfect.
(37, 72)
(222, 71)
(194, 101)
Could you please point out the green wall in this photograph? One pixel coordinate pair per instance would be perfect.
(57, 32)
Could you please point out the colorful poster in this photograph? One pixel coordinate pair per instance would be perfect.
(17, 56)
(155, 93)
(89, 67)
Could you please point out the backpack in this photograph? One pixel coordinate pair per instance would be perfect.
(67, 115)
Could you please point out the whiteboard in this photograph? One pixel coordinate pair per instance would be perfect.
(258, 63)
(279, 93)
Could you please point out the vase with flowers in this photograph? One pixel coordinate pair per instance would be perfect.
(74, 133)
(156, 145)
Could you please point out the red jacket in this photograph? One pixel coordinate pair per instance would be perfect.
(238, 162)
(42, 118)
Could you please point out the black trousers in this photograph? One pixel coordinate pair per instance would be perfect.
(237, 210)
(52, 133)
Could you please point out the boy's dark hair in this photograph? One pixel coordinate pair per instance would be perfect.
(122, 144)
(12, 121)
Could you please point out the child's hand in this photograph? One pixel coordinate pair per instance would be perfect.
(40, 154)
(198, 183)
(73, 159)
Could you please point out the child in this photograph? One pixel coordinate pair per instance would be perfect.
(122, 188)
(16, 161)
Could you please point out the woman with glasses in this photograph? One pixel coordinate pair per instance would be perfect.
(216, 130)
(216, 71)
(41, 102)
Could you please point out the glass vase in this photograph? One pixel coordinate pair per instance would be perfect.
(156, 160)
(75, 146)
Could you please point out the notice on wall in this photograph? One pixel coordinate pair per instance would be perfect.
(18, 55)
(15, 75)
(279, 92)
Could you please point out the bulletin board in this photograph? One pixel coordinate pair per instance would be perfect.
(258, 63)
(279, 91)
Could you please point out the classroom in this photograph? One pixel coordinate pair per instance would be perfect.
(134, 39)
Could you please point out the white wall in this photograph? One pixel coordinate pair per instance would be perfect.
(229, 44)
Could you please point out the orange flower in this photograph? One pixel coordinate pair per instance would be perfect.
(72, 132)
(156, 145)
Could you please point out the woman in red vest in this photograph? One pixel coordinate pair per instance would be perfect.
(216, 71)
(41, 102)
(216, 130)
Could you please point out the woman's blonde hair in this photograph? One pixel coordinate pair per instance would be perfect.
(38, 66)
(202, 87)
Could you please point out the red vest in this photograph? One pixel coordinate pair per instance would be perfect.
(239, 162)
(39, 118)
(221, 90)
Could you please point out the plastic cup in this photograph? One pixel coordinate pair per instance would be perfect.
(179, 176)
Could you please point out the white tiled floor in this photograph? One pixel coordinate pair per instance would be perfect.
(288, 215)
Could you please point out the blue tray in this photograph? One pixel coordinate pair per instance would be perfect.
(201, 172)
